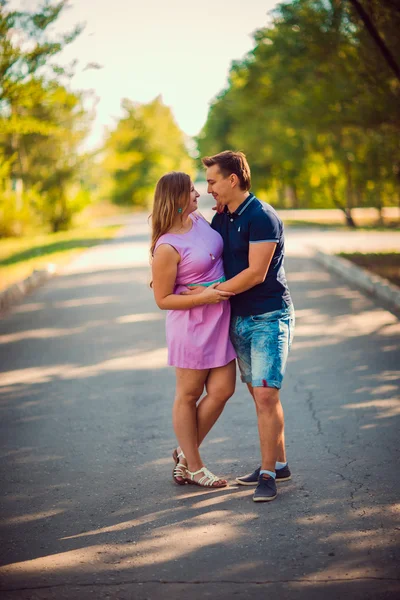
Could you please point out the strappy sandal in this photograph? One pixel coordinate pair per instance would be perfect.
(208, 480)
(179, 471)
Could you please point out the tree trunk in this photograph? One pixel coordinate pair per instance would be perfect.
(398, 201)
(379, 206)
(347, 212)
(358, 195)
(349, 196)
(291, 195)
(374, 33)
(18, 167)
(349, 218)
(332, 189)
(280, 192)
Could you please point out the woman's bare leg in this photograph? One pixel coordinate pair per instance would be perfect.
(189, 387)
(220, 386)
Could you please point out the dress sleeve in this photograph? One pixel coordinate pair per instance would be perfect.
(265, 227)
(170, 242)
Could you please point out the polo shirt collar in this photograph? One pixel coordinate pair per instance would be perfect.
(242, 207)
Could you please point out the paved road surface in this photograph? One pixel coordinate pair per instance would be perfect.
(89, 509)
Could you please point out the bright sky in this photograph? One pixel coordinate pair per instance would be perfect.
(181, 49)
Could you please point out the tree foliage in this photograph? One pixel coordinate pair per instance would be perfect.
(316, 107)
(42, 123)
(145, 144)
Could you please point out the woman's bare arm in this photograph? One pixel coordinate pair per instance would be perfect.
(164, 268)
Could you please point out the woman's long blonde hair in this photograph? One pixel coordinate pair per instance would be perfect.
(171, 197)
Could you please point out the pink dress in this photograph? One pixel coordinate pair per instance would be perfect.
(198, 338)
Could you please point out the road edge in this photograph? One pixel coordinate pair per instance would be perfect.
(15, 293)
(377, 286)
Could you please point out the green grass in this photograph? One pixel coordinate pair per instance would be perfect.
(20, 256)
(385, 264)
(313, 224)
(391, 225)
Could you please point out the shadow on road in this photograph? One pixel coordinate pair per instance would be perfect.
(85, 399)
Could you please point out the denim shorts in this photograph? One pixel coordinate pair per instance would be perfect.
(262, 343)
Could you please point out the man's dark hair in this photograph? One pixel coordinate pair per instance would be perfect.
(231, 162)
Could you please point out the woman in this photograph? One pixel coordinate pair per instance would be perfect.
(186, 251)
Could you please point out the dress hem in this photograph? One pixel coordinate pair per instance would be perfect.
(170, 364)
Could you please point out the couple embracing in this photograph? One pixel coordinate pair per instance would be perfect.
(225, 290)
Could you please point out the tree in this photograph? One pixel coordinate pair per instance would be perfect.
(41, 122)
(309, 103)
(380, 17)
(145, 144)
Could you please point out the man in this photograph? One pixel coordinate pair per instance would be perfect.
(262, 320)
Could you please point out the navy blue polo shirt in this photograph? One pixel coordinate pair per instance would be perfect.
(251, 223)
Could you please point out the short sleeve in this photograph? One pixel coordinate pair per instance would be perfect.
(164, 240)
(216, 223)
(264, 227)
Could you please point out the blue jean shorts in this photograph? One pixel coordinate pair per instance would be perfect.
(262, 343)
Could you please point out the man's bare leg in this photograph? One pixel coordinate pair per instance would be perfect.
(280, 448)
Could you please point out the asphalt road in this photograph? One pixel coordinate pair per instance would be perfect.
(89, 509)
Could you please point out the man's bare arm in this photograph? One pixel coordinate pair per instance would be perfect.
(260, 256)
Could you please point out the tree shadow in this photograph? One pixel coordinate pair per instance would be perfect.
(85, 399)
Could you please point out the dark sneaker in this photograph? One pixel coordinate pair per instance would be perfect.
(283, 474)
(251, 479)
(266, 489)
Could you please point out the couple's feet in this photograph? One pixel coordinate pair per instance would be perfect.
(266, 485)
(202, 477)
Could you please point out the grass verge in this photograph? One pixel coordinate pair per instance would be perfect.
(20, 256)
(385, 264)
(321, 224)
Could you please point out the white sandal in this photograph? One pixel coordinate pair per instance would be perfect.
(179, 474)
(208, 479)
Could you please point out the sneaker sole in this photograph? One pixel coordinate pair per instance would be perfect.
(264, 499)
(255, 483)
(245, 482)
(283, 479)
